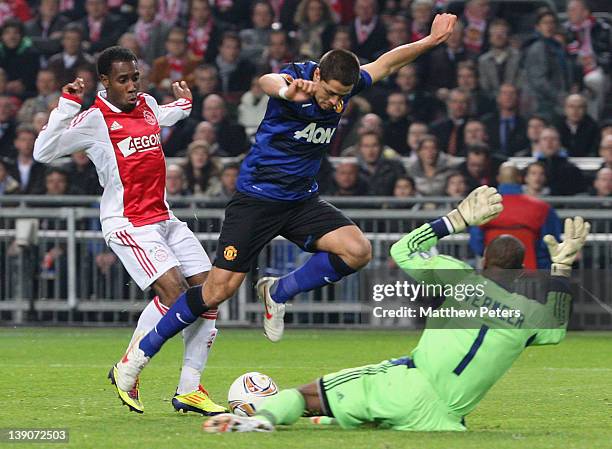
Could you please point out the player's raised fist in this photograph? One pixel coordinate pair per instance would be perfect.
(181, 90)
(77, 87)
(300, 90)
(442, 27)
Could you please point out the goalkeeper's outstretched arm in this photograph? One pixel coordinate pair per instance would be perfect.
(411, 252)
(558, 298)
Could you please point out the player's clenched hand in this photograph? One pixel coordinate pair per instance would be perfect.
(479, 207)
(181, 90)
(442, 27)
(563, 254)
(77, 88)
(300, 90)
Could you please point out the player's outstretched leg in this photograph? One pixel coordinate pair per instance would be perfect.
(342, 251)
(321, 269)
(149, 317)
(190, 395)
(187, 308)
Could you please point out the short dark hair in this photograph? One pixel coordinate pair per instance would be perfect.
(231, 166)
(264, 3)
(499, 22)
(428, 138)
(410, 180)
(540, 118)
(74, 28)
(371, 133)
(114, 54)
(453, 174)
(479, 149)
(340, 65)
(505, 251)
(231, 35)
(179, 30)
(469, 65)
(533, 164)
(53, 169)
(13, 23)
(606, 123)
(544, 12)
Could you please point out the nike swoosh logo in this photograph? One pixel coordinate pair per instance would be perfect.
(178, 317)
(306, 105)
(328, 280)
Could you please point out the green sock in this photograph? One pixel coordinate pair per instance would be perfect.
(284, 408)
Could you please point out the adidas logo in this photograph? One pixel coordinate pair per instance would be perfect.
(115, 126)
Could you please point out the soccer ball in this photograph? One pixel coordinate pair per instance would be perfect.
(248, 391)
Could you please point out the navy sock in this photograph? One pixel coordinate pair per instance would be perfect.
(321, 269)
(187, 308)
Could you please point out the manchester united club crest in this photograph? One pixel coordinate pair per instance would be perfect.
(339, 106)
(230, 253)
(150, 118)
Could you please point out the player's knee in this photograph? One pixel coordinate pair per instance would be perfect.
(359, 253)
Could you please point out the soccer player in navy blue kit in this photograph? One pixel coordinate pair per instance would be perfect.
(277, 194)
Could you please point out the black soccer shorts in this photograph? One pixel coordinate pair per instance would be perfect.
(250, 223)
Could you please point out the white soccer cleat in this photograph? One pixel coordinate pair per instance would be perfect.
(274, 315)
(227, 422)
(130, 366)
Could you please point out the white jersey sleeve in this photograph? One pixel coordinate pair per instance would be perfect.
(169, 114)
(66, 132)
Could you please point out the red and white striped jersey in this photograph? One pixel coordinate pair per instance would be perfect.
(126, 149)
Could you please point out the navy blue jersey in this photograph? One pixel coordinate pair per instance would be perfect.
(290, 143)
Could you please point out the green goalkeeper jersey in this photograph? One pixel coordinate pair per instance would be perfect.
(463, 358)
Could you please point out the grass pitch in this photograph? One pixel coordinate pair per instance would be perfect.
(553, 397)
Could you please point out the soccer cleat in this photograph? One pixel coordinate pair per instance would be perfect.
(198, 401)
(130, 398)
(274, 324)
(129, 367)
(233, 423)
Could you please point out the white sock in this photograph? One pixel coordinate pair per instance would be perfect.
(149, 317)
(198, 338)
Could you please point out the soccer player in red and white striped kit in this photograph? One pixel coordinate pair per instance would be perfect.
(121, 135)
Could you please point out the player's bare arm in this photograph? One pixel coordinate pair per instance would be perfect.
(393, 60)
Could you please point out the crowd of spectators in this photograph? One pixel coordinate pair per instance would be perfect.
(442, 126)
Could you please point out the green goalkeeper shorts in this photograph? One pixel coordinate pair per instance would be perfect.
(392, 394)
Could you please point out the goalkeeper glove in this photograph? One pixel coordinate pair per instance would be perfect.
(563, 254)
(479, 207)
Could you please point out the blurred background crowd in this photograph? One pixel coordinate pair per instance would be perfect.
(516, 79)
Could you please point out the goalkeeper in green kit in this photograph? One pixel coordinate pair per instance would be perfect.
(457, 360)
